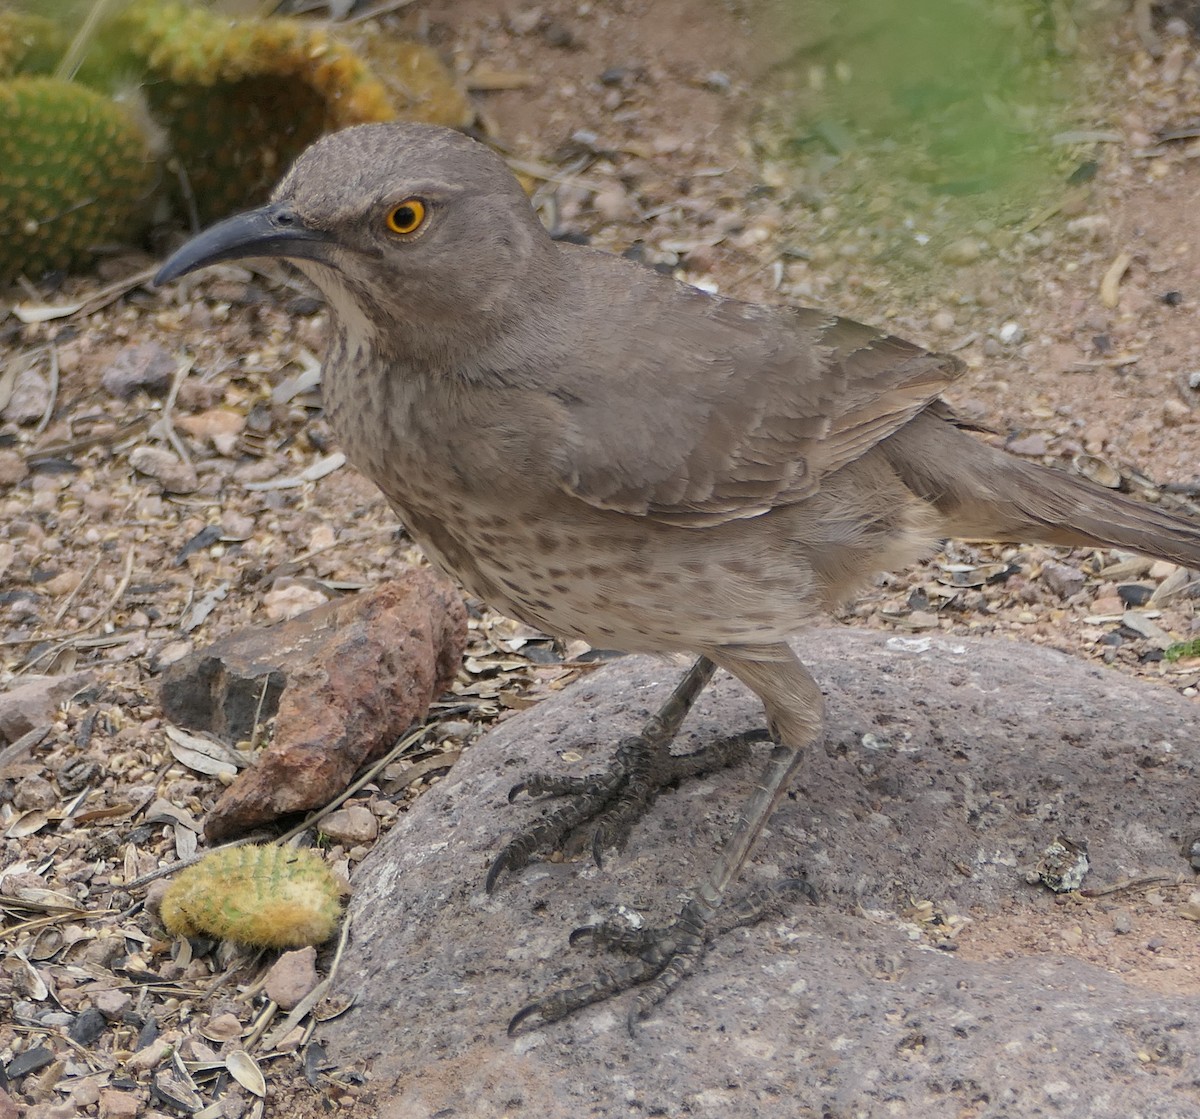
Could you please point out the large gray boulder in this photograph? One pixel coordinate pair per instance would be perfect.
(948, 767)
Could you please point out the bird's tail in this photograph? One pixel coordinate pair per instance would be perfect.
(987, 494)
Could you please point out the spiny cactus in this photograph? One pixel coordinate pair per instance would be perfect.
(263, 896)
(75, 172)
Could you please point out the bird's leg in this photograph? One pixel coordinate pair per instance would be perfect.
(617, 796)
(664, 957)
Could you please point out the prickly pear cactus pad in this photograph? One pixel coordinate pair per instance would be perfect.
(266, 897)
(75, 172)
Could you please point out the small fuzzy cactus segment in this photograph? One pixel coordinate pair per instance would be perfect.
(75, 173)
(265, 897)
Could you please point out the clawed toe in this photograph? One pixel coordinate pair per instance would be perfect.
(662, 957)
(613, 800)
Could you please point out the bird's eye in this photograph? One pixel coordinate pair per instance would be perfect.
(406, 217)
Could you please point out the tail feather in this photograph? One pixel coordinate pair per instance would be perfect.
(987, 494)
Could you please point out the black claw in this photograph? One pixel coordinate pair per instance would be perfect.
(518, 1019)
(584, 932)
(598, 850)
(517, 790)
(498, 867)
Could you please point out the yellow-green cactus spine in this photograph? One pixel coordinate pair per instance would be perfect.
(75, 173)
(262, 896)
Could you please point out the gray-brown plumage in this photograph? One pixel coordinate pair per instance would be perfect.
(607, 454)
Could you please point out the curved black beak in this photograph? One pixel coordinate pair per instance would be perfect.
(271, 230)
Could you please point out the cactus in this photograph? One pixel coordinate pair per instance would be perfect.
(262, 896)
(75, 172)
(29, 44)
(236, 101)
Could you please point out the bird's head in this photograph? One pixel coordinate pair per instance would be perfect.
(404, 226)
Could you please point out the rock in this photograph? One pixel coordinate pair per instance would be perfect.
(344, 679)
(12, 468)
(1031, 446)
(292, 977)
(174, 475)
(348, 826)
(36, 701)
(115, 1104)
(966, 250)
(1063, 579)
(144, 365)
(112, 1003)
(948, 765)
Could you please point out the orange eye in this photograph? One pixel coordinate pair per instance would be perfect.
(407, 217)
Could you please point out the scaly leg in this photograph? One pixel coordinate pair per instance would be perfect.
(615, 798)
(665, 957)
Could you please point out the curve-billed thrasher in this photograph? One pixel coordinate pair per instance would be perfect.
(611, 455)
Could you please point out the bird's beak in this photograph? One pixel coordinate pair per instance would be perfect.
(271, 230)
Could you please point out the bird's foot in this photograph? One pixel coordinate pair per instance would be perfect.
(612, 799)
(662, 957)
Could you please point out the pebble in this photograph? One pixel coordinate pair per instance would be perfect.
(1122, 922)
(292, 977)
(612, 203)
(1011, 334)
(146, 366)
(174, 475)
(1063, 579)
(29, 400)
(1032, 446)
(942, 322)
(966, 250)
(281, 603)
(356, 824)
(12, 468)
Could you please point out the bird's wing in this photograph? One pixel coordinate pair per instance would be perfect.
(724, 410)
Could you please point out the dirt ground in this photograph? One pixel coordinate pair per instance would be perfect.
(643, 127)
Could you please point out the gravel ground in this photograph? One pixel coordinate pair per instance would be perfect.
(137, 527)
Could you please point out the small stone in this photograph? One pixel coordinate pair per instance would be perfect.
(36, 702)
(115, 1104)
(355, 824)
(146, 366)
(1063, 579)
(224, 1027)
(292, 977)
(212, 423)
(12, 468)
(170, 472)
(1122, 922)
(281, 603)
(1011, 334)
(1089, 227)
(87, 1027)
(942, 322)
(29, 400)
(1108, 606)
(1175, 412)
(612, 203)
(34, 791)
(966, 250)
(112, 1003)
(1161, 569)
(1031, 446)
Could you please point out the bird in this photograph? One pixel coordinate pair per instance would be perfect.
(610, 454)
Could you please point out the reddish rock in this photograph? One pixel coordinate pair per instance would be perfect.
(346, 678)
(292, 977)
